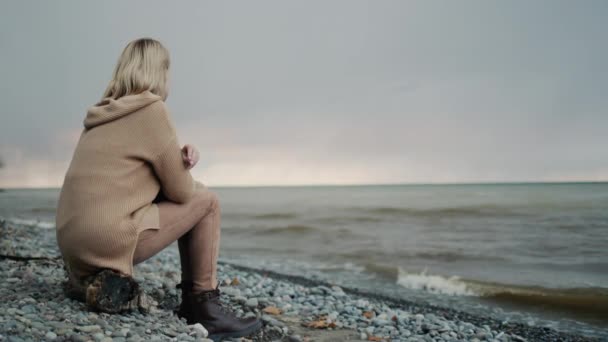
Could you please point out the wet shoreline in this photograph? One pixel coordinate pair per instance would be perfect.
(34, 308)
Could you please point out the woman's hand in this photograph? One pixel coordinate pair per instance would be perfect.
(190, 155)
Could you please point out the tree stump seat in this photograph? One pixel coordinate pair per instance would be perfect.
(109, 291)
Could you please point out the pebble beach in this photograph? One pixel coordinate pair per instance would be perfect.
(292, 308)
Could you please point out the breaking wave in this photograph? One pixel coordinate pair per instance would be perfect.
(588, 301)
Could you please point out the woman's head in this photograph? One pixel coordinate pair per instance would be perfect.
(142, 65)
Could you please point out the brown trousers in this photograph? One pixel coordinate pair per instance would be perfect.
(196, 227)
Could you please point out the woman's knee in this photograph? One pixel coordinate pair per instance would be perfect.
(214, 200)
(207, 198)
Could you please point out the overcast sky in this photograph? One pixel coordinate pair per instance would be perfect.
(324, 92)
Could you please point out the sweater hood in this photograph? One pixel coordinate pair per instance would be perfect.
(110, 109)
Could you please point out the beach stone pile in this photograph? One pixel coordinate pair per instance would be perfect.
(324, 307)
(34, 308)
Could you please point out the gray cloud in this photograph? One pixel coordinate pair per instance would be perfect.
(277, 92)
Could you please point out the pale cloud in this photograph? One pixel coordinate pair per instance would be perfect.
(31, 173)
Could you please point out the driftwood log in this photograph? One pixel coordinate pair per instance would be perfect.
(109, 291)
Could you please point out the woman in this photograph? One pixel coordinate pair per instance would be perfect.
(128, 192)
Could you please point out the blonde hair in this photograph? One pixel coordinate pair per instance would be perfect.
(142, 65)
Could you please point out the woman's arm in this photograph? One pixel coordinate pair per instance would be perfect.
(176, 181)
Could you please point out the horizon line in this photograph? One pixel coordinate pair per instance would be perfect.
(371, 184)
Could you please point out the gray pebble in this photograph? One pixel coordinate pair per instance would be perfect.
(50, 335)
(252, 302)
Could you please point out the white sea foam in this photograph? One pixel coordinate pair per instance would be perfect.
(434, 283)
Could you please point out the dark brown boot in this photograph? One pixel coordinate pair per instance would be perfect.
(207, 309)
(184, 309)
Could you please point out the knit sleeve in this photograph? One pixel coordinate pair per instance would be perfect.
(176, 181)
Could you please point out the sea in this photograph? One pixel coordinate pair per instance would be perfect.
(535, 253)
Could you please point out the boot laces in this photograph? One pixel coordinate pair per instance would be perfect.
(217, 299)
(212, 294)
(224, 308)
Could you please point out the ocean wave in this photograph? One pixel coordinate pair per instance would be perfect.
(588, 301)
(435, 284)
(346, 266)
(370, 254)
(342, 219)
(30, 222)
(48, 210)
(258, 216)
(451, 256)
(275, 216)
(289, 229)
(475, 211)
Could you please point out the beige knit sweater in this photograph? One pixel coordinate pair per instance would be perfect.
(127, 152)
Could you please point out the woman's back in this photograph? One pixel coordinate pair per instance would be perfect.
(111, 182)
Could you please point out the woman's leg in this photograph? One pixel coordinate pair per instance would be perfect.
(200, 247)
(196, 226)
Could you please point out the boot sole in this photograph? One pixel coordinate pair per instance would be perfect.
(241, 333)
